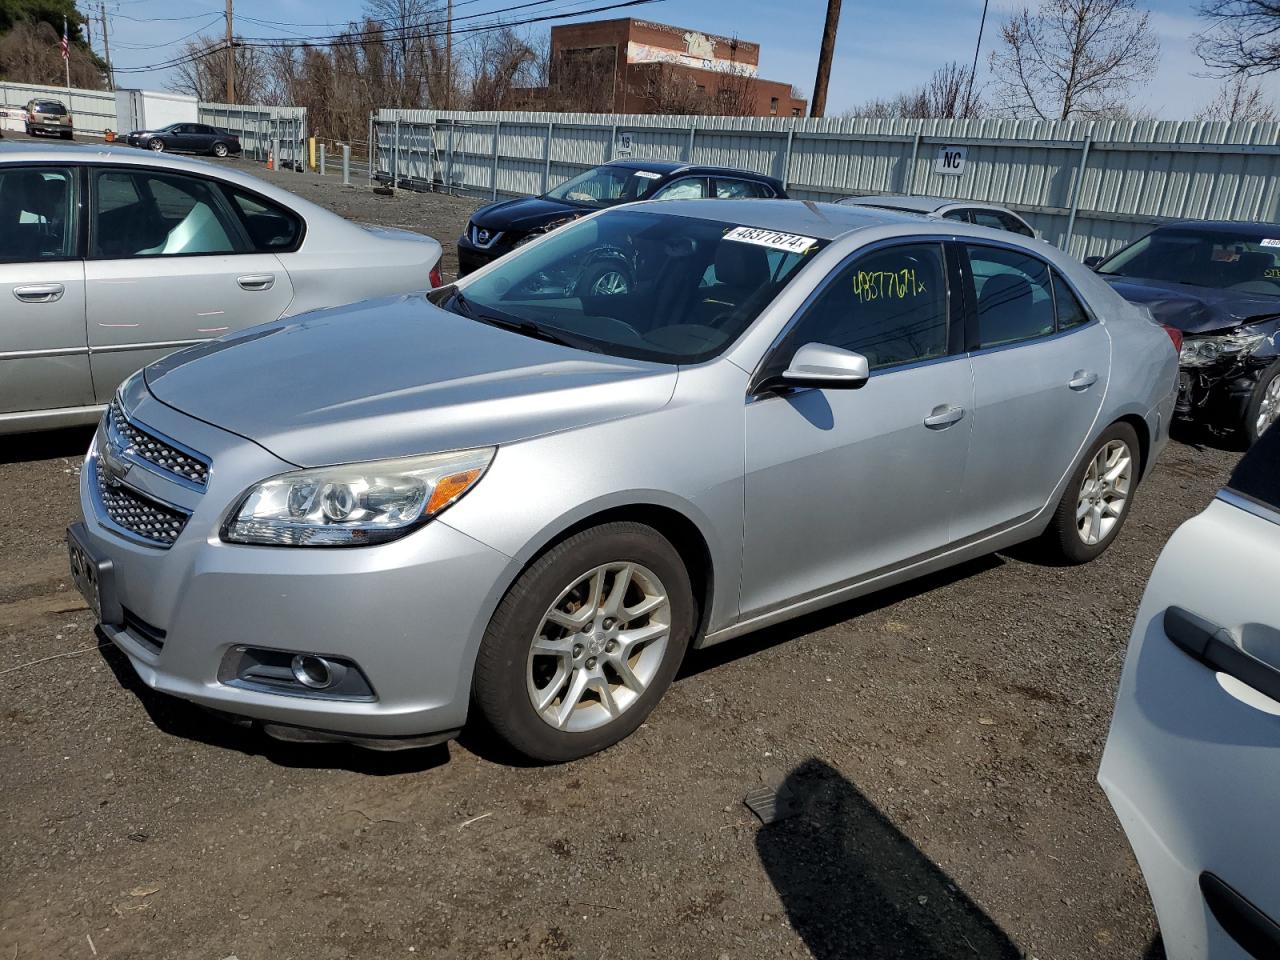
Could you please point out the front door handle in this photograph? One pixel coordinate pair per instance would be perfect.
(257, 281)
(1216, 648)
(1082, 380)
(943, 416)
(39, 292)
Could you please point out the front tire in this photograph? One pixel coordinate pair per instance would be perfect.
(585, 642)
(1097, 499)
(156, 145)
(1263, 409)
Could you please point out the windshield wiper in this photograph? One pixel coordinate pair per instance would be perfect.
(526, 328)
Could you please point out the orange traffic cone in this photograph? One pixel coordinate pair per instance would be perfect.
(270, 161)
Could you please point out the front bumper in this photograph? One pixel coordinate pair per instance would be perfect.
(472, 257)
(409, 614)
(1218, 394)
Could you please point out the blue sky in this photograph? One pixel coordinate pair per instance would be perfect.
(880, 49)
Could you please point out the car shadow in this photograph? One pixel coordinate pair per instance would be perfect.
(1199, 436)
(46, 445)
(177, 717)
(854, 886)
(708, 658)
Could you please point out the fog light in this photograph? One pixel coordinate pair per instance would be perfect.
(313, 672)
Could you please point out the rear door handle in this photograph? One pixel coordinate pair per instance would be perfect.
(39, 292)
(1216, 648)
(1082, 380)
(257, 281)
(943, 415)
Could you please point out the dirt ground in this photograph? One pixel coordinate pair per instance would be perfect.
(942, 741)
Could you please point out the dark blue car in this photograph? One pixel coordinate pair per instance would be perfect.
(1219, 283)
(186, 138)
(500, 227)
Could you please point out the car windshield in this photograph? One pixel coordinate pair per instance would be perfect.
(1245, 260)
(53, 109)
(607, 185)
(639, 284)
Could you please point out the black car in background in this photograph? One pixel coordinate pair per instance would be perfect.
(186, 138)
(48, 117)
(499, 227)
(1219, 283)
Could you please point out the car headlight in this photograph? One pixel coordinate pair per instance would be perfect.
(1204, 351)
(354, 504)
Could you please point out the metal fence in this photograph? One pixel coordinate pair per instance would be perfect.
(259, 127)
(93, 111)
(1087, 186)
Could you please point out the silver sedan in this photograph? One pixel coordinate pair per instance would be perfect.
(529, 499)
(111, 258)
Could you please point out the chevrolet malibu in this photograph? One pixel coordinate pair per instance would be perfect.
(513, 499)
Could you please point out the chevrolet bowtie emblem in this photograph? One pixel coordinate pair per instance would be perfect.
(114, 465)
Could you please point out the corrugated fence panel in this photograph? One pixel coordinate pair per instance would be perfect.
(259, 126)
(92, 111)
(1088, 186)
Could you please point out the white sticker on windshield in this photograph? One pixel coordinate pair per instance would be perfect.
(648, 175)
(771, 238)
(1271, 243)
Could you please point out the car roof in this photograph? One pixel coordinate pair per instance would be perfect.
(667, 167)
(1225, 226)
(915, 203)
(825, 221)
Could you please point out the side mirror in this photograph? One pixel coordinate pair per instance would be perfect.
(819, 365)
(1092, 262)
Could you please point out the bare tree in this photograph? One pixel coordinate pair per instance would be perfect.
(203, 74)
(1241, 36)
(1239, 99)
(1073, 59)
(943, 96)
(497, 62)
(30, 53)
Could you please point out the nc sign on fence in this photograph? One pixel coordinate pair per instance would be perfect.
(950, 161)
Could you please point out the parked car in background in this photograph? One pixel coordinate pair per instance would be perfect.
(1219, 283)
(552, 495)
(111, 258)
(500, 227)
(49, 117)
(186, 138)
(1192, 762)
(949, 208)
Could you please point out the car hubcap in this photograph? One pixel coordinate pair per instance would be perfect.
(609, 284)
(157, 146)
(1269, 411)
(1104, 494)
(599, 646)
(220, 150)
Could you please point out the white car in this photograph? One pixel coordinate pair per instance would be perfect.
(948, 208)
(1192, 763)
(111, 258)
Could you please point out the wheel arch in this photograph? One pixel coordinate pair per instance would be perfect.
(1143, 430)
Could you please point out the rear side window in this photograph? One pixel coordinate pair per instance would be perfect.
(169, 215)
(690, 188)
(37, 207)
(1071, 312)
(1014, 225)
(271, 227)
(962, 215)
(1257, 476)
(734, 189)
(1014, 296)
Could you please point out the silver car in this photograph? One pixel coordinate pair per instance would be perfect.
(111, 258)
(948, 208)
(512, 497)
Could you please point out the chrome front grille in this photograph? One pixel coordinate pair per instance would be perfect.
(136, 513)
(169, 458)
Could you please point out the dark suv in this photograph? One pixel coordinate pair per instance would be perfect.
(499, 227)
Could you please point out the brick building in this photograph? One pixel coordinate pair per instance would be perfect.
(637, 66)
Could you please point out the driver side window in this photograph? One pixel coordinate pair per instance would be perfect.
(690, 188)
(889, 305)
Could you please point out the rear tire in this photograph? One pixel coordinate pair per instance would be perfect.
(1097, 499)
(220, 150)
(565, 669)
(66, 136)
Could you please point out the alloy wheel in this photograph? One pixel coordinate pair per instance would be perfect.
(610, 284)
(157, 146)
(219, 149)
(599, 646)
(1104, 492)
(1269, 409)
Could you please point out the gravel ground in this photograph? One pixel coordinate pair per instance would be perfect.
(941, 739)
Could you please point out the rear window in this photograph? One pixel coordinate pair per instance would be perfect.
(53, 109)
(1257, 476)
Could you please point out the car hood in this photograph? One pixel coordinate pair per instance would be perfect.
(397, 377)
(1195, 309)
(525, 213)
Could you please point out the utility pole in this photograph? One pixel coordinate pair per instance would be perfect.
(818, 107)
(448, 57)
(106, 46)
(231, 59)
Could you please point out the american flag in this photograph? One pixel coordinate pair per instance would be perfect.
(64, 38)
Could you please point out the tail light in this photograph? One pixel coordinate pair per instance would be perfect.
(1176, 336)
(437, 279)
(70, 122)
